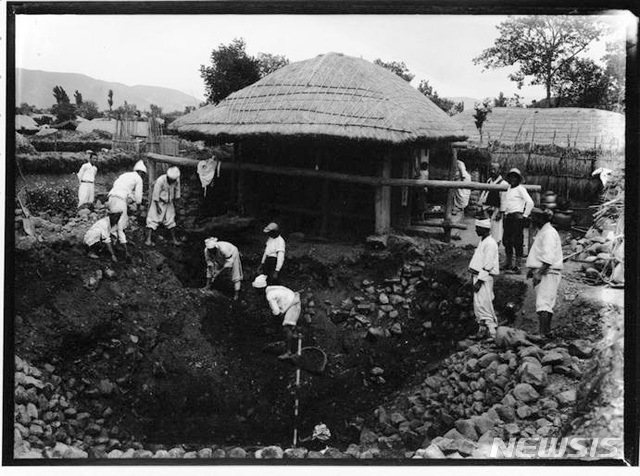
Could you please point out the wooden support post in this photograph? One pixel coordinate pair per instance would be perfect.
(536, 201)
(152, 175)
(383, 199)
(448, 209)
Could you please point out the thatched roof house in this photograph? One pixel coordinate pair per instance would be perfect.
(317, 128)
(556, 148)
(25, 124)
(577, 128)
(329, 95)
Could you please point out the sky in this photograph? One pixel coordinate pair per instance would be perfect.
(167, 50)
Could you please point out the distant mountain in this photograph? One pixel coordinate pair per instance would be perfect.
(468, 102)
(36, 88)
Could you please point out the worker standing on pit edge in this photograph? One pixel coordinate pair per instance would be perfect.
(86, 180)
(545, 267)
(273, 256)
(219, 256)
(484, 266)
(162, 209)
(515, 209)
(283, 302)
(127, 187)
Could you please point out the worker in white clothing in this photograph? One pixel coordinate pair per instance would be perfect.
(220, 256)
(460, 198)
(283, 302)
(100, 234)
(515, 209)
(273, 256)
(491, 200)
(86, 178)
(484, 266)
(127, 187)
(545, 266)
(162, 209)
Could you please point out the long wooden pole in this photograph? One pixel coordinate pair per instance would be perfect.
(339, 177)
(296, 405)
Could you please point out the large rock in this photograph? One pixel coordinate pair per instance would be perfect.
(532, 350)
(430, 452)
(505, 412)
(75, 453)
(507, 337)
(295, 453)
(532, 373)
(368, 437)
(205, 453)
(270, 452)
(525, 393)
(483, 423)
(566, 398)
(115, 454)
(467, 429)
(238, 453)
(487, 359)
(552, 357)
(583, 349)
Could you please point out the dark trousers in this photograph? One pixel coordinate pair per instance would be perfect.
(513, 235)
(268, 267)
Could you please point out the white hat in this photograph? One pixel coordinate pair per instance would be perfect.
(210, 243)
(173, 173)
(321, 432)
(271, 227)
(484, 223)
(140, 167)
(260, 281)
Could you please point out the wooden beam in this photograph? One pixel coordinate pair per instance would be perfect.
(448, 207)
(152, 175)
(383, 199)
(339, 177)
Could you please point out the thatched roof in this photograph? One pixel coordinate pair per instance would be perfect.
(330, 95)
(140, 128)
(26, 123)
(564, 126)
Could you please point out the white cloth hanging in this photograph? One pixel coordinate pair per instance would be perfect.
(207, 171)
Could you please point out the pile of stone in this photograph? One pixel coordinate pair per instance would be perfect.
(505, 388)
(414, 293)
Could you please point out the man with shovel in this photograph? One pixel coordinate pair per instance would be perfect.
(283, 302)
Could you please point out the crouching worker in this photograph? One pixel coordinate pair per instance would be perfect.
(283, 302)
(162, 209)
(100, 235)
(484, 266)
(545, 266)
(220, 256)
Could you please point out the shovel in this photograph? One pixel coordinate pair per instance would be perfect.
(27, 222)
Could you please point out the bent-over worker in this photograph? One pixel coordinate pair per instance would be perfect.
(515, 207)
(100, 234)
(162, 209)
(484, 266)
(273, 256)
(127, 186)
(545, 266)
(86, 178)
(283, 302)
(220, 256)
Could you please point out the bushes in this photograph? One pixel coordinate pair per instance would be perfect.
(69, 146)
(55, 200)
(54, 163)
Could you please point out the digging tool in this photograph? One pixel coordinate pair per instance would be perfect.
(27, 222)
(296, 404)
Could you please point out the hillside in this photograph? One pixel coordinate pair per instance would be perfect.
(35, 87)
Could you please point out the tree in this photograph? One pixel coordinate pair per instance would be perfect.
(397, 67)
(63, 109)
(268, 63)
(60, 94)
(447, 105)
(615, 68)
(156, 111)
(78, 97)
(482, 109)
(500, 101)
(110, 100)
(89, 110)
(231, 70)
(25, 109)
(541, 47)
(127, 111)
